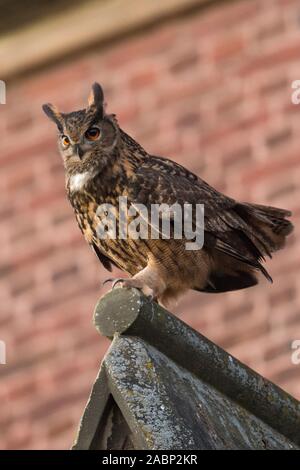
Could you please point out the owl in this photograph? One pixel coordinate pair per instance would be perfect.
(103, 163)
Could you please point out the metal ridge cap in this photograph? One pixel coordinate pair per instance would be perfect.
(129, 312)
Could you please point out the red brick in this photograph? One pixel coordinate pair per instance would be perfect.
(271, 29)
(229, 48)
(142, 79)
(278, 57)
(210, 90)
(268, 169)
(184, 63)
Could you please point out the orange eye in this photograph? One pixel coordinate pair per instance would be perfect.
(65, 141)
(92, 133)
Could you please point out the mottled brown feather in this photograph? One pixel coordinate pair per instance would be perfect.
(238, 236)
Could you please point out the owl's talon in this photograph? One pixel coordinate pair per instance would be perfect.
(114, 281)
(117, 281)
(134, 283)
(152, 298)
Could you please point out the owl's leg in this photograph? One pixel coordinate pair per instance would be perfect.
(147, 280)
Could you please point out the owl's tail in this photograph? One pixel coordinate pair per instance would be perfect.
(268, 226)
(264, 231)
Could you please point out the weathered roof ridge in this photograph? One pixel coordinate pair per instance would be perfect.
(130, 313)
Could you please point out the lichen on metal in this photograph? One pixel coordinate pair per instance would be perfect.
(174, 389)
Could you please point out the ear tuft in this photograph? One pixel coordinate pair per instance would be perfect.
(53, 114)
(48, 110)
(96, 97)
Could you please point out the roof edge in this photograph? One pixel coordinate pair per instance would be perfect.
(128, 311)
(62, 35)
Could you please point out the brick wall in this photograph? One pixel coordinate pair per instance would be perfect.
(212, 91)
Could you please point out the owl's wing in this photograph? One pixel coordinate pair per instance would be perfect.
(160, 180)
(107, 262)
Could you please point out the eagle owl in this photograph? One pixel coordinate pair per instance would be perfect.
(102, 163)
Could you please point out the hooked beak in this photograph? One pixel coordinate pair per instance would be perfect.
(78, 150)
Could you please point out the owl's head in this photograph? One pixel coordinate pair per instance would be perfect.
(87, 138)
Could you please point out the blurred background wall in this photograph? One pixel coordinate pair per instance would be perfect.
(207, 83)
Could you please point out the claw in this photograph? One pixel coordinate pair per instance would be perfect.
(131, 282)
(114, 281)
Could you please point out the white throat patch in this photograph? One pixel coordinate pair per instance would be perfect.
(78, 180)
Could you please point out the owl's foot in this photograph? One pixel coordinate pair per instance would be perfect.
(115, 281)
(133, 282)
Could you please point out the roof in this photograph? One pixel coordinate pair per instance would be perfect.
(78, 26)
(162, 385)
